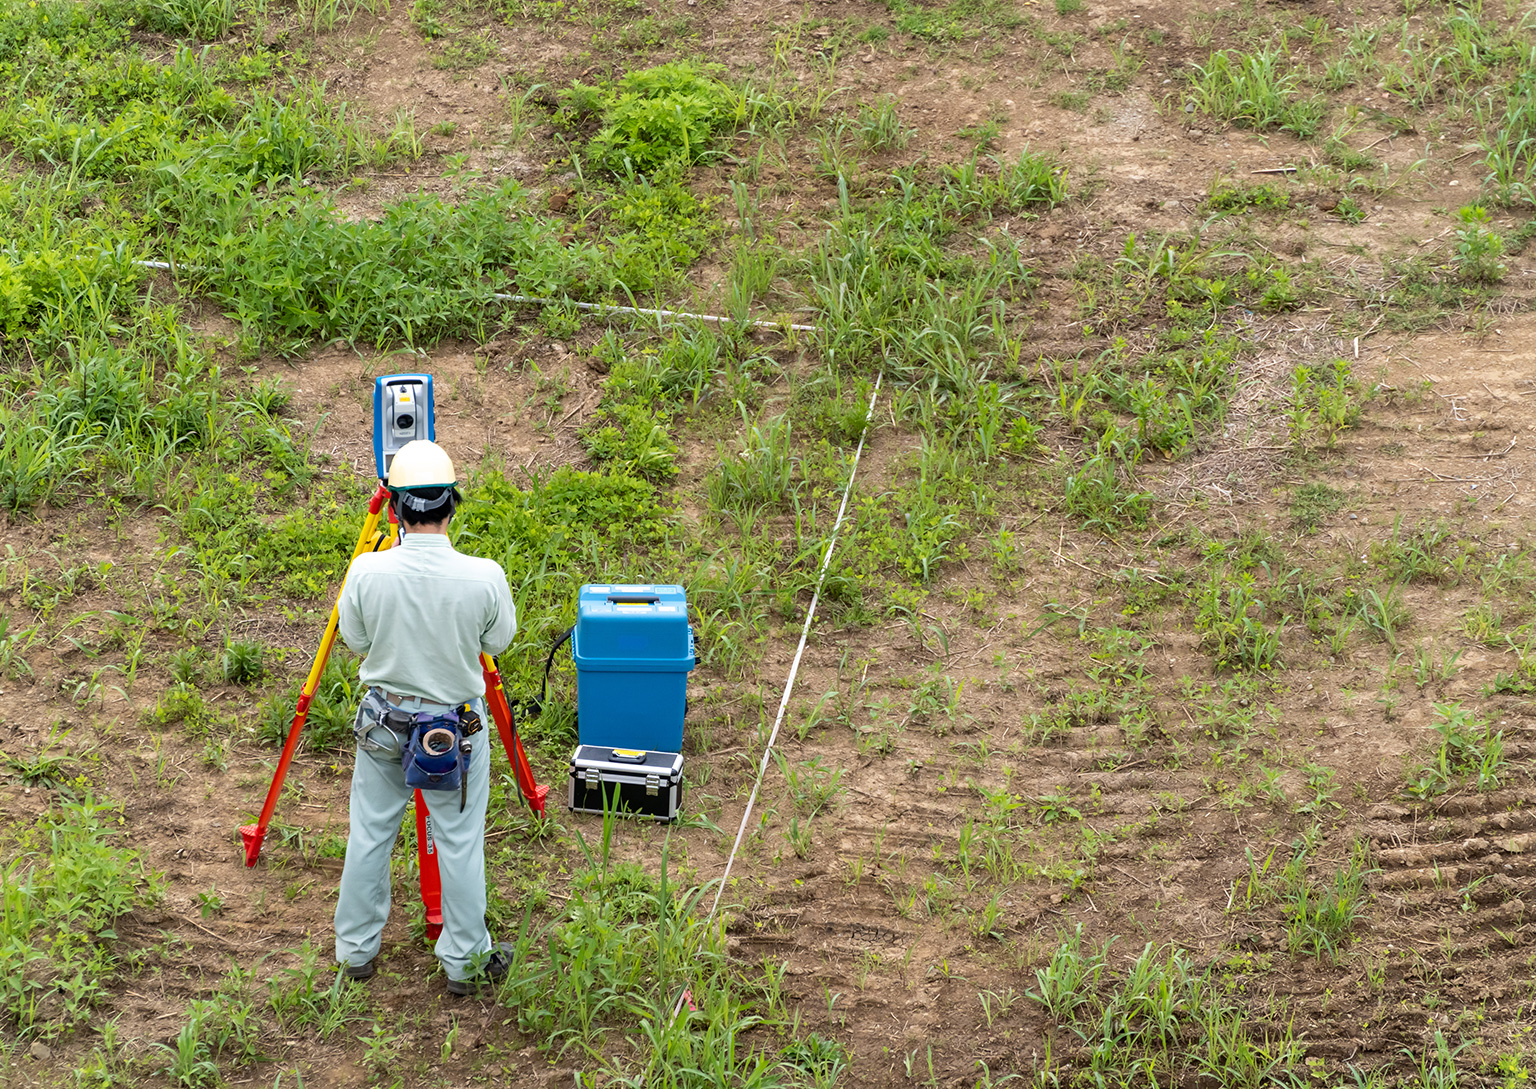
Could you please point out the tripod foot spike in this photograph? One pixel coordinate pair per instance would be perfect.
(251, 836)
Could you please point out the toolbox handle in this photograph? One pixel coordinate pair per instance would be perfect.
(633, 599)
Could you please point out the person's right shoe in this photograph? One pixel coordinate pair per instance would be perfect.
(492, 970)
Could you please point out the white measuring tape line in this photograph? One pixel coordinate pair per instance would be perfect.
(606, 308)
(794, 669)
(600, 308)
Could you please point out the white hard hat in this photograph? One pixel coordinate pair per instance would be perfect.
(421, 464)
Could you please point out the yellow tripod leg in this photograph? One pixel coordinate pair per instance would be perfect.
(253, 834)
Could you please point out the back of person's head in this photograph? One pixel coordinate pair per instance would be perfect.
(422, 484)
(421, 506)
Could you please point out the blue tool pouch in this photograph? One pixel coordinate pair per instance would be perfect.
(436, 755)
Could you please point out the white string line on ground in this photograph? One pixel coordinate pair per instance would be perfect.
(794, 666)
(607, 308)
(599, 308)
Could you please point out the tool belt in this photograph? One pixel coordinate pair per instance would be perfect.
(433, 745)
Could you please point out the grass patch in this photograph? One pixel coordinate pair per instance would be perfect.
(65, 882)
(1255, 90)
(653, 116)
(1161, 1011)
(959, 20)
(1312, 503)
(1230, 197)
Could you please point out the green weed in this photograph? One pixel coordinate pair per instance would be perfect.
(1325, 398)
(1415, 556)
(1478, 249)
(656, 115)
(1236, 198)
(1509, 143)
(955, 21)
(1070, 979)
(243, 662)
(1255, 90)
(760, 474)
(1433, 666)
(328, 727)
(1383, 613)
(812, 786)
(879, 126)
(65, 883)
(1349, 210)
(623, 932)
(48, 767)
(302, 997)
(1468, 747)
(205, 19)
(1321, 916)
(12, 664)
(1484, 624)
(1312, 503)
(1231, 624)
(183, 705)
(190, 1062)
(1163, 1014)
(1098, 495)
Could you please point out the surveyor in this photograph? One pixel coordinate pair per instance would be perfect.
(422, 613)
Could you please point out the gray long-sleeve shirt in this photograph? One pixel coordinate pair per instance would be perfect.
(422, 613)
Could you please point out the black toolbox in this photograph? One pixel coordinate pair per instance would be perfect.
(635, 782)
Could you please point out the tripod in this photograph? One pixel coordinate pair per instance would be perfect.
(371, 539)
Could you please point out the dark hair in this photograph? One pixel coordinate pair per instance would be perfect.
(419, 506)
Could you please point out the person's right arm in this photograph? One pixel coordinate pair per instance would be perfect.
(501, 624)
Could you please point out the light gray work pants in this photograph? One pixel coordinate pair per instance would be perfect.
(379, 800)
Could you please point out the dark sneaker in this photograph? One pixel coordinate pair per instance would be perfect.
(358, 972)
(493, 969)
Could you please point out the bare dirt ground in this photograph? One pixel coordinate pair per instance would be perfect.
(876, 956)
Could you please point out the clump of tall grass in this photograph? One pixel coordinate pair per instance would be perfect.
(759, 474)
(887, 288)
(1162, 1012)
(1255, 90)
(1509, 143)
(300, 273)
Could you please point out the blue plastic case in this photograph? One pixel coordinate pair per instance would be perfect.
(633, 651)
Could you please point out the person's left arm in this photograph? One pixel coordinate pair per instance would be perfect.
(349, 611)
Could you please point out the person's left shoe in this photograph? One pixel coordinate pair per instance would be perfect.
(491, 971)
(359, 972)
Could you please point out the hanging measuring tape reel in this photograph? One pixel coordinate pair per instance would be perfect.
(435, 756)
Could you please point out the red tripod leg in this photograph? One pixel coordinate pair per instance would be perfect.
(533, 792)
(431, 882)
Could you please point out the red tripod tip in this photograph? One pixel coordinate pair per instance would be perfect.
(252, 835)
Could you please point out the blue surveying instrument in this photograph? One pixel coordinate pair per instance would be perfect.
(402, 413)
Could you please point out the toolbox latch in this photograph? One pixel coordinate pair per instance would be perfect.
(652, 785)
(592, 776)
